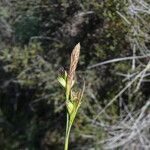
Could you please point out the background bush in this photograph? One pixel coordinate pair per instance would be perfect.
(36, 40)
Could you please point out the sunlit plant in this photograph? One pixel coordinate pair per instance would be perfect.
(73, 99)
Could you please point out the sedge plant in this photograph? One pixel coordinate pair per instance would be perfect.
(73, 98)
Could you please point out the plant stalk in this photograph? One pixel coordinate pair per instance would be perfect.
(68, 128)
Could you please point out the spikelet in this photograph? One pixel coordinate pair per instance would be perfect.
(73, 65)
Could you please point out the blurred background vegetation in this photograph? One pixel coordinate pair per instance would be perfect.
(36, 39)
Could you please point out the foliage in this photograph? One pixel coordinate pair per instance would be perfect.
(36, 38)
(27, 88)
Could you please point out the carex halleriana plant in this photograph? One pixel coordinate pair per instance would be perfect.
(73, 98)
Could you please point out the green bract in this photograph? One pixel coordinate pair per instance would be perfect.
(63, 79)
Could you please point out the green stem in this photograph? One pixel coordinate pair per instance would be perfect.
(68, 128)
